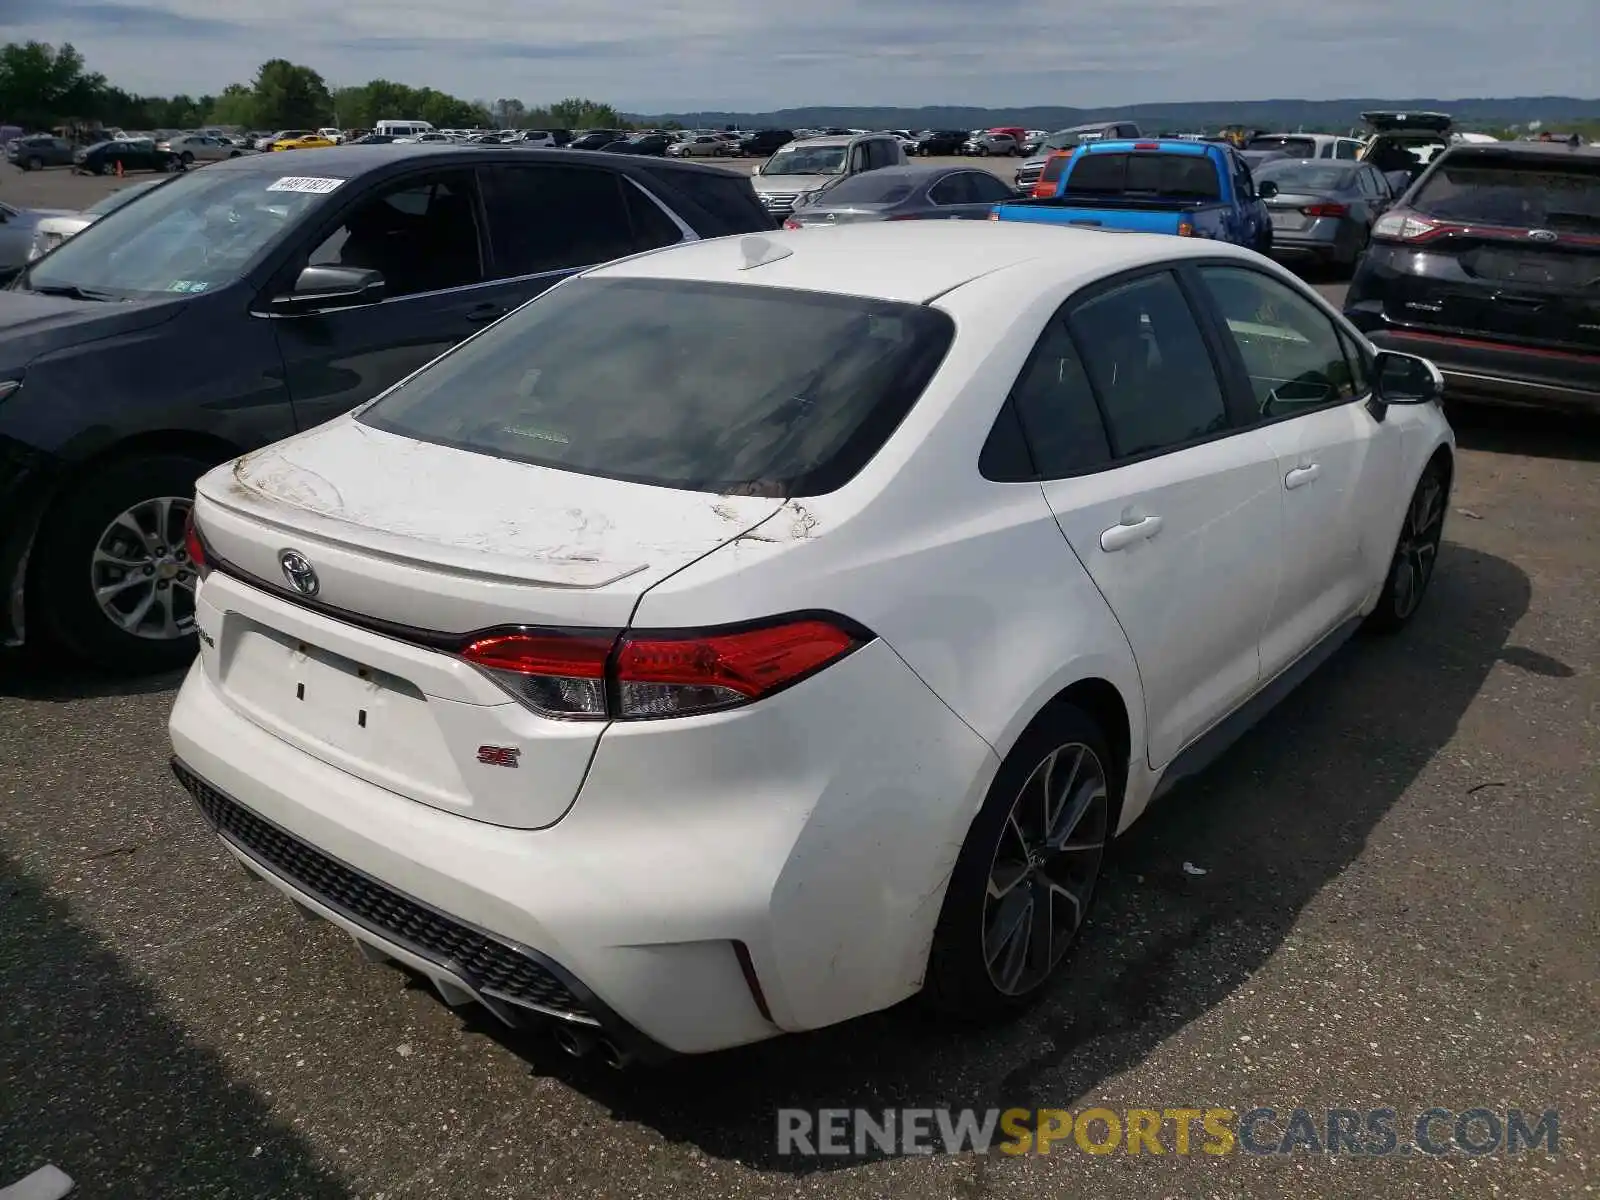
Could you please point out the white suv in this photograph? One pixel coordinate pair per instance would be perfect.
(682, 700)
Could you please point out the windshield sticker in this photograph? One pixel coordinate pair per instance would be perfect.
(187, 285)
(316, 185)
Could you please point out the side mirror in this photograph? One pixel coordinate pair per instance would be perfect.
(756, 170)
(319, 288)
(1266, 189)
(1406, 379)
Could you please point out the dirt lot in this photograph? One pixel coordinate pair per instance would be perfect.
(1399, 907)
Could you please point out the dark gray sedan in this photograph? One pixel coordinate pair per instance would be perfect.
(909, 193)
(1324, 209)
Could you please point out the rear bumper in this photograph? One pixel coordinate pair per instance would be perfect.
(713, 885)
(1498, 373)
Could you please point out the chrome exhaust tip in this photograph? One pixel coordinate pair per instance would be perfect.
(616, 1057)
(574, 1041)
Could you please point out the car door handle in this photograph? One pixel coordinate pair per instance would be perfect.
(1301, 476)
(1120, 537)
(484, 313)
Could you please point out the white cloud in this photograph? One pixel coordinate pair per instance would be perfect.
(708, 54)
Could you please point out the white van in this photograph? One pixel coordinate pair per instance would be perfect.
(400, 129)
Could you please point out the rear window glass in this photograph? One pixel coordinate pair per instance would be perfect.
(1304, 147)
(1183, 176)
(727, 198)
(1290, 175)
(873, 187)
(700, 386)
(1525, 194)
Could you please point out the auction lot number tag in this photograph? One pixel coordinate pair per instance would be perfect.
(317, 185)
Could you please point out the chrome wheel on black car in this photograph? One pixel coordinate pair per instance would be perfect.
(109, 577)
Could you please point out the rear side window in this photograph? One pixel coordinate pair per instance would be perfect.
(1183, 176)
(1150, 366)
(1525, 193)
(1056, 407)
(554, 218)
(702, 386)
(727, 199)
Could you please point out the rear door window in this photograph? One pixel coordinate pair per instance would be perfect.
(709, 387)
(987, 188)
(1150, 367)
(544, 217)
(953, 189)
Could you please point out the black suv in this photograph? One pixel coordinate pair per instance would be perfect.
(765, 142)
(1490, 266)
(263, 295)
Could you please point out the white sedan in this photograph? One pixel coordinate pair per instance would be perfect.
(683, 700)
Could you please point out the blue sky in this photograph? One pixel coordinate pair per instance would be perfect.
(711, 54)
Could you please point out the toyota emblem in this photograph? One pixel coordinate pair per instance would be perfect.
(1541, 235)
(299, 572)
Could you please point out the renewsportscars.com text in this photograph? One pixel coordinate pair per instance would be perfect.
(1375, 1132)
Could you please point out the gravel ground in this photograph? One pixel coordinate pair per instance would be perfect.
(1399, 908)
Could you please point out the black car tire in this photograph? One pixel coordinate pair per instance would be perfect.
(186, 158)
(99, 167)
(60, 585)
(960, 980)
(35, 163)
(1416, 552)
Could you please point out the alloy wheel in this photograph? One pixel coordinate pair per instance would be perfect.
(1418, 550)
(1045, 867)
(142, 578)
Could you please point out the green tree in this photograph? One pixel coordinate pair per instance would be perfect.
(290, 96)
(236, 106)
(584, 114)
(41, 85)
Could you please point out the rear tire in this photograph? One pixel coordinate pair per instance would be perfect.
(1029, 865)
(1416, 553)
(81, 547)
(35, 163)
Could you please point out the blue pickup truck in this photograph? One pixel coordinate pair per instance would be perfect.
(1191, 189)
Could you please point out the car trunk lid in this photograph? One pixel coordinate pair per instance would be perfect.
(413, 546)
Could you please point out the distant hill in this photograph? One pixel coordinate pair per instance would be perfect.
(1200, 116)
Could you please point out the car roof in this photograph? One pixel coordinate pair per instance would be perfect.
(1503, 150)
(350, 161)
(913, 262)
(834, 139)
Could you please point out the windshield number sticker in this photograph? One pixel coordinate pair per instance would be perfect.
(187, 285)
(316, 185)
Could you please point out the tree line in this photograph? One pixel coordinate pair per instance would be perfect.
(44, 86)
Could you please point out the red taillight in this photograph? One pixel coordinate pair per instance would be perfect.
(194, 546)
(1147, 145)
(554, 673)
(592, 674)
(664, 677)
(1326, 210)
(791, 223)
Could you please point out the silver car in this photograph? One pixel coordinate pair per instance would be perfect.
(1069, 139)
(801, 171)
